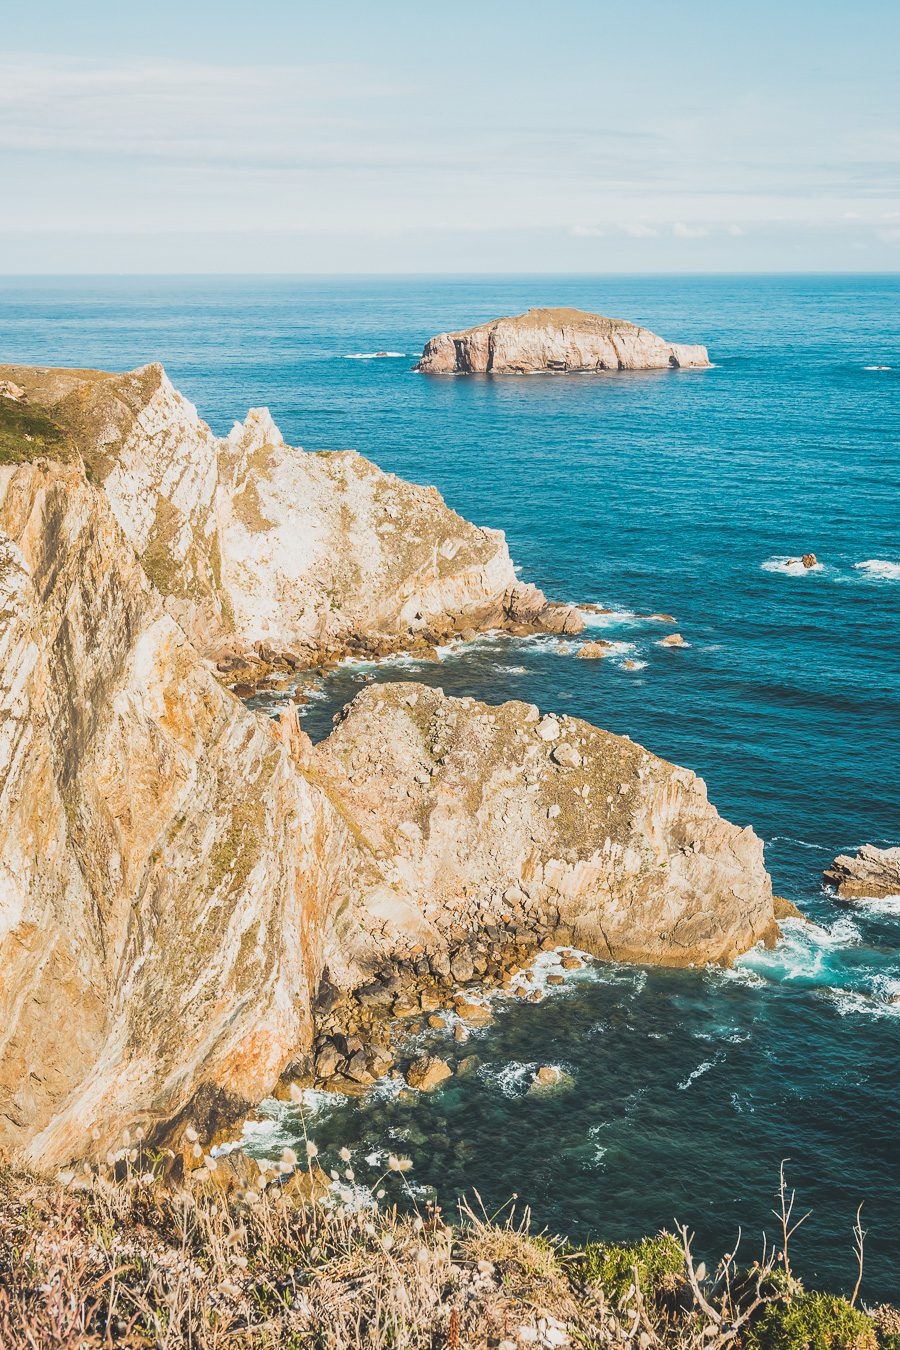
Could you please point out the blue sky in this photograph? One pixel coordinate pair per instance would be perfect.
(464, 137)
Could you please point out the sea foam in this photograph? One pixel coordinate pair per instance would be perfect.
(879, 569)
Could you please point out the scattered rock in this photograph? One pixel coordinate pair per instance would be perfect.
(8, 389)
(809, 560)
(566, 755)
(673, 640)
(548, 729)
(593, 651)
(426, 1073)
(571, 962)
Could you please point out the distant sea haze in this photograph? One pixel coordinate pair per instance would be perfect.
(691, 493)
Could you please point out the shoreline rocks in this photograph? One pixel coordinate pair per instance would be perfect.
(555, 340)
(870, 874)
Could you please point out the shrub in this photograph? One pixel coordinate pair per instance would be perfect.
(811, 1321)
(659, 1261)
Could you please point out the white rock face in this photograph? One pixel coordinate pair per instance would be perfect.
(555, 340)
(252, 541)
(170, 882)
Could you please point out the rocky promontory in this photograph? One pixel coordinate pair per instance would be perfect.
(255, 544)
(187, 888)
(562, 340)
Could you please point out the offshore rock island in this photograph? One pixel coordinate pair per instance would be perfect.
(555, 340)
(187, 886)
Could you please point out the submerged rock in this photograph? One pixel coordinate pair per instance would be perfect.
(870, 874)
(549, 1078)
(554, 340)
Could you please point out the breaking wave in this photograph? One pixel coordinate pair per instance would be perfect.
(790, 566)
(879, 569)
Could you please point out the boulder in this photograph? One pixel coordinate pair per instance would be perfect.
(870, 874)
(549, 1078)
(809, 560)
(673, 640)
(427, 1073)
(593, 651)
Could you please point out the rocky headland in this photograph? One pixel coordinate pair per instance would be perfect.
(194, 899)
(561, 340)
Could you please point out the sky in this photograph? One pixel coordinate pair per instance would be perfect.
(710, 135)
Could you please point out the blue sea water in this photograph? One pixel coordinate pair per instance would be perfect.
(678, 492)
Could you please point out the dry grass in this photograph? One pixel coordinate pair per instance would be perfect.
(119, 1256)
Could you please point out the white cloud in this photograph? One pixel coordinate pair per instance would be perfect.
(683, 231)
(641, 231)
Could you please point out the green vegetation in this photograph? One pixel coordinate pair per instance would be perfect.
(659, 1262)
(811, 1321)
(27, 433)
(156, 1250)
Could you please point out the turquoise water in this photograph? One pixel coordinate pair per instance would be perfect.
(676, 492)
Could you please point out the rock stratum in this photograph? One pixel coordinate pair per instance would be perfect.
(562, 340)
(178, 874)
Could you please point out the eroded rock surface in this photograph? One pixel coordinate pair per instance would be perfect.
(484, 808)
(554, 340)
(252, 542)
(187, 887)
(169, 881)
(871, 873)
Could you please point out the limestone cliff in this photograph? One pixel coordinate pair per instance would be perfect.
(168, 881)
(485, 809)
(177, 872)
(554, 340)
(252, 541)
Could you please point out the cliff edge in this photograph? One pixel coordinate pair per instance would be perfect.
(561, 340)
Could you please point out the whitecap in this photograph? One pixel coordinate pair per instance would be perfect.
(878, 367)
(700, 1070)
(512, 1079)
(855, 1002)
(371, 356)
(884, 904)
(802, 843)
(879, 569)
(790, 566)
(608, 618)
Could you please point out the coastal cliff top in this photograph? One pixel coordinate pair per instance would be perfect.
(561, 316)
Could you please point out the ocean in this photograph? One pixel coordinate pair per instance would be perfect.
(681, 492)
